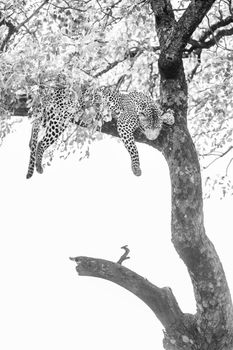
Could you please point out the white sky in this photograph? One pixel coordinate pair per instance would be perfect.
(89, 208)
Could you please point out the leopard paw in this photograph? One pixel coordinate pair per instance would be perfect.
(29, 175)
(136, 170)
(39, 168)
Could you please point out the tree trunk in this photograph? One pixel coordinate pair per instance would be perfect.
(211, 326)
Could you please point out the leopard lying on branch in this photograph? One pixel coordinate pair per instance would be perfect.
(132, 111)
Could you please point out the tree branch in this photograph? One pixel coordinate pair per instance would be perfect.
(217, 25)
(160, 300)
(218, 157)
(164, 19)
(190, 20)
(213, 38)
(11, 31)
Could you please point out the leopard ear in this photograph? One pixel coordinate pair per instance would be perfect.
(168, 117)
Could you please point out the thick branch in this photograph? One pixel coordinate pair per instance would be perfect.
(174, 36)
(160, 300)
(213, 38)
(11, 31)
(190, 20)
(217, 25)
(164, 19)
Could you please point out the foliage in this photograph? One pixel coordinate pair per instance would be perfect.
(211, 119)
(100, 41)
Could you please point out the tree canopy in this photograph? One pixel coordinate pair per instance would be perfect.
(100, 42)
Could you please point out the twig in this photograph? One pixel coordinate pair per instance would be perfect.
(220, 156)
(125, 255)
(193, 71)
(228, 165)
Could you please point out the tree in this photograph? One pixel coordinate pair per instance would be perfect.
(179, 35)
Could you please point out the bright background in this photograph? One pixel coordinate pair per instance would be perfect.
(89, 208)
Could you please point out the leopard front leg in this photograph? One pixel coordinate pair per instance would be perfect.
(125, 131)
(53, 131)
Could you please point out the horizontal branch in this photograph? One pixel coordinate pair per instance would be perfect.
(108, 128)
(160, 300)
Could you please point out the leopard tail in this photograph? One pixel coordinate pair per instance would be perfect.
(33, 147)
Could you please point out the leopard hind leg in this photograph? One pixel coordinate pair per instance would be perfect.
(53, 131)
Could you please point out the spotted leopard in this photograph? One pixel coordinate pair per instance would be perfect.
(132, 111)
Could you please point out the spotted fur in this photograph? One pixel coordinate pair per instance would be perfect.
(132, 111)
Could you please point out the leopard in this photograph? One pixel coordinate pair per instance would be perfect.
(53, 113)
(132, 111)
